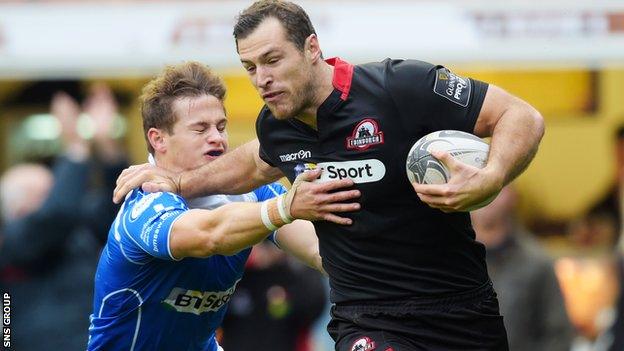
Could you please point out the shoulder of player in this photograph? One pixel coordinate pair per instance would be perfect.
(266, 122)
(410, 69)
(391, 74)
(140, 202)
(390, 65)
(265, 115)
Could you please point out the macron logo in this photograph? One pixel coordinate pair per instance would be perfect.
(299, 155)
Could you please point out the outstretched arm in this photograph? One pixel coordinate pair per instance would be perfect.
(236, 172)
(224, 231)
(516, 129)
(230, 228)
(299, 239)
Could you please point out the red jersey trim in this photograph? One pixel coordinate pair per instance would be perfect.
(343, 75)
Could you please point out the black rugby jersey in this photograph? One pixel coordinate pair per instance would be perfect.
(397, 247)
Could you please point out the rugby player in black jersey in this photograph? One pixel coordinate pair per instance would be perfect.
(407, 274)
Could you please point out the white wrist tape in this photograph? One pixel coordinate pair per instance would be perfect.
(264, 214)
(286, 218)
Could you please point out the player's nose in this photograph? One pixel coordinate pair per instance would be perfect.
(215, 136)
(263, 77)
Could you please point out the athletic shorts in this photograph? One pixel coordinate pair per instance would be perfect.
(470, 321)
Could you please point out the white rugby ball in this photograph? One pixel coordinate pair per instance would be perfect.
(423, 168)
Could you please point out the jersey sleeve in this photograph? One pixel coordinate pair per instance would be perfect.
(147, 224)
(267, 192)
(431, 98)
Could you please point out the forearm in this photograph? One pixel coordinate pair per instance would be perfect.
(299, 239)
(515, 141)
(223, 231)
(236, 172)
(236, 227)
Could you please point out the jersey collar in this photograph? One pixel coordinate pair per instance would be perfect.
(343, 75)
(341, 81)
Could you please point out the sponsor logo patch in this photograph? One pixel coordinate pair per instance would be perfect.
(365, 134)
(299, 155)
(363, 344)
(361, 171)
(304, 167)
(143, 204)
(198, 302)
(452, 87)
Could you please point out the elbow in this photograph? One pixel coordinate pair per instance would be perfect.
(216, 243)
(209, 247)
(317, 260)
(318, 265)
(526, 120)
(212, 243)
(538, 123)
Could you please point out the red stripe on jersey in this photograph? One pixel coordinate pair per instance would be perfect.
(343, 74)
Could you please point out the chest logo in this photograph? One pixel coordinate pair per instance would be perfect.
(362, 171)
(365, 134)
(299, 155)
(198, 302)
(363, 344)
(304, 167)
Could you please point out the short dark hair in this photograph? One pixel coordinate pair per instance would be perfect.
(188, 79)
(293, 18)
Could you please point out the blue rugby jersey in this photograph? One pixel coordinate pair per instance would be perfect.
(147, 300)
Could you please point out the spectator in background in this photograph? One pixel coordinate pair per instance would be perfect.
(530, 298)
(600, 230)
(616, 330)
(601, 225)
(54, 224)
(274, 305)
(610, 208)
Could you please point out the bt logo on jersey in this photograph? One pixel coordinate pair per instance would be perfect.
(198, 302)
(361, 171)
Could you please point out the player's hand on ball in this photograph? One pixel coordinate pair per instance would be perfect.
(149, 177)
(321, 201)
(469, 187)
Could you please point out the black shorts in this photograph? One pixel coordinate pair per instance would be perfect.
(469, 321)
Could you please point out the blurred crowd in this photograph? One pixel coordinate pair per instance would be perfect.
(56, 217)
(553, 298)
(55, 221)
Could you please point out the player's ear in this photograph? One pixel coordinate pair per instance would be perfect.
(156, 138)
(312, 48)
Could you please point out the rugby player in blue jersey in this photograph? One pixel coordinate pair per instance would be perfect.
(170, 266)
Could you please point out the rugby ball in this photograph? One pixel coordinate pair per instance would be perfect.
(423, 168)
